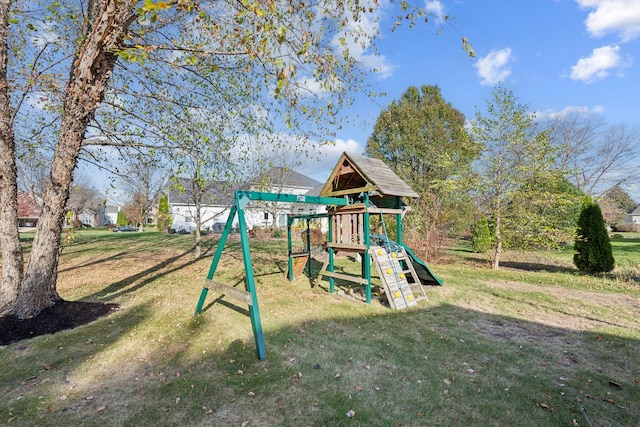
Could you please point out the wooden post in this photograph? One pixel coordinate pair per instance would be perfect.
(399, 226)
(331, 232)
(366, 259)
(290, 261)
(308, 247)
(250, 284)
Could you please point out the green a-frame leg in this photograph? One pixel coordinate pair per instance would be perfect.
(241, 199)
(250, 296)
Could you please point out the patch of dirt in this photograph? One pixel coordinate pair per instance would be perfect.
(63, 315)
(556, 325)
(604, 299)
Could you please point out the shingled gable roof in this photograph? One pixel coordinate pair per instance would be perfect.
(284, 177)
(221, 193)
(355, 174)
(217, 193)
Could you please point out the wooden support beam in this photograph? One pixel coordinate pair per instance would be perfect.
(347, 277)
(347, 247)
(238, 294)
(390, 211)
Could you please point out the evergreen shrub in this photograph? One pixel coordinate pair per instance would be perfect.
(593, 252)
(481, 237)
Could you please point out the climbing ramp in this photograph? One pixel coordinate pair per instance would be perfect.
(399, 278)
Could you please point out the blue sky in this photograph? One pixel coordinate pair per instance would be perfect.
(555, 55)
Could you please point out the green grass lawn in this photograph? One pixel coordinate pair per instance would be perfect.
(533, 344)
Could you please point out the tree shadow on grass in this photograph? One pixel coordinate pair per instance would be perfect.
(143, 278)
(71, 314)
(534, 266)
(119, 255)
(522, 265)
(532, 374)
(65, 314)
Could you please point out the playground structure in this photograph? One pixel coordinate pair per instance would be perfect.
(357, 188)
(375, 190)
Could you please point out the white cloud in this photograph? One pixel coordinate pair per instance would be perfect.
(306, 86)
(310, 158)
(494, 67)
(356, 38)
(620, 17)
(325, 157)
(580, 109)
(435, 8)
(46, 34)
(598, 66)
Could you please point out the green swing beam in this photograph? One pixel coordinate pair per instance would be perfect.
(240, 201)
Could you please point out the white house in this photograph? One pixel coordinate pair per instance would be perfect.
(282, 181)
(634, 216)
(110, 215)
(216, 203)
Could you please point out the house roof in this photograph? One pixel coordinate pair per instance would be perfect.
(354, 174)
(216, 193)
(220, 193)
(111, 209)
(315, 191)
(635, 211)
(284, 177)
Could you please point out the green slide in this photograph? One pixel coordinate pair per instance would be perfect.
(424, 274)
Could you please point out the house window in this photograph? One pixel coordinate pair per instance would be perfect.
(188, 219)
(282, 220)
(266, 216)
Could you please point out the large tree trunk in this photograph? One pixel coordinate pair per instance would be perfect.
(85, 89)
(12, 258)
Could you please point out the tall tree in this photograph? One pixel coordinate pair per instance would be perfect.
(481, 236)
(515, 159)
(143, 180)
(12, 257)
(542, 213)
(90, 72)
(615, 204)
(423, 139)
(594, 155)
(203, 165)
(83, 196)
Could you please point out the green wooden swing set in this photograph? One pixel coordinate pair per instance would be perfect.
(357, 188)
(357, 232)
